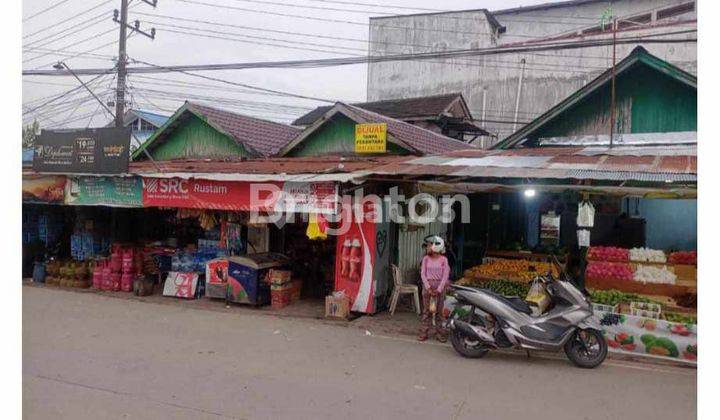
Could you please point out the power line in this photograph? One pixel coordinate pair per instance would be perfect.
(314, 18)
(82, 41)
(389, 6)
(486, 64)
(45, 10)
(69, 53)
(92, 22)
(75, 16)
(63, 94)
(341, 61)
(264, 43)
(245, 85)
(81, 53)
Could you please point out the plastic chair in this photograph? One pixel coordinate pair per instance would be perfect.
(403, 289)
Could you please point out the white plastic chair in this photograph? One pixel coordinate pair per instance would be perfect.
(403, 289)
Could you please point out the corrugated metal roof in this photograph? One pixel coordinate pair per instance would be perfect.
(646, 164)
(155, 119)
(628, 139)
(294, 165)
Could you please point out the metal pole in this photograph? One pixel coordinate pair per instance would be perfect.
(519, 92)
(122, 61)
(612, 88)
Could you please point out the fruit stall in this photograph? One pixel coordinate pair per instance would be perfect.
(646, 299)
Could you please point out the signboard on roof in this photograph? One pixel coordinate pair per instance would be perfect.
(104, 191)
(86, 151)
(371, 138)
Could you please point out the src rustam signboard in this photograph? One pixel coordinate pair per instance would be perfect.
(85, 151)
(370, 138)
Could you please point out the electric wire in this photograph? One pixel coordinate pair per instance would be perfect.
(47, 9)
(75, 16)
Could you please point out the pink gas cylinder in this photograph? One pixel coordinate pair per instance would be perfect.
(126, 282)
(127, 260)
(116, 261)
(106, 283)
(115, 277)
(97, 276)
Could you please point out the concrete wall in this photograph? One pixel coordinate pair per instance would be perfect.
(548, 76)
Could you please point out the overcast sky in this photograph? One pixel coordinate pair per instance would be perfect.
(80, 32)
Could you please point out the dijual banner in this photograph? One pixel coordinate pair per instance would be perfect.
(104, 191)
(43, 189)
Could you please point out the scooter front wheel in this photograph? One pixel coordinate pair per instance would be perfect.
(467, 346)
(586, 348)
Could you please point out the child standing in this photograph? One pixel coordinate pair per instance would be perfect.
(435, 275)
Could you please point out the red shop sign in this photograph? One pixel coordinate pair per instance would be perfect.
(206, 194)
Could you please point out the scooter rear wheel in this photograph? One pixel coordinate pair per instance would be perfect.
(467, 346)
(586, 348)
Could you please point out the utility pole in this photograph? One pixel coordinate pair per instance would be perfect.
(612, 85)
(122, 62)
(121, 17)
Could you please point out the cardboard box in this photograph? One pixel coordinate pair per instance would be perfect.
(337, 308)
(279, 298)
(278, 277)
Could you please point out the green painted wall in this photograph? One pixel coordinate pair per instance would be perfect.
(335, 137)
(194, 138)
(647, 101)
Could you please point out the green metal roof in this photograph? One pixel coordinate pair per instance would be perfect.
(639, 56)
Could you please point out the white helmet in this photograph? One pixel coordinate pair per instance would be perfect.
(436, 243)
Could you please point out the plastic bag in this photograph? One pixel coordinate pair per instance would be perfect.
(538, 298)
(316, 230)
(586, 214)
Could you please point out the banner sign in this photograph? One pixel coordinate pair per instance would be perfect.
(308, 197)
(649, 337)
(88, 151)
(202, 194)
(302, 197)
(43, 189)
(371, 138)
(104, 191)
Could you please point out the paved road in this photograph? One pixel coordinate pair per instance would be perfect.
(89, 357)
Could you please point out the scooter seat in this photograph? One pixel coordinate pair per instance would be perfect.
(516, 302)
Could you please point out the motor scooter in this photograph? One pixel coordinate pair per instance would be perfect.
(490, 321)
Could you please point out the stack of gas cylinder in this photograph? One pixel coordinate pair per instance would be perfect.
(119, 271)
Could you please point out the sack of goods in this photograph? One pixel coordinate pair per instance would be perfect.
(648, 274)
(647, 255)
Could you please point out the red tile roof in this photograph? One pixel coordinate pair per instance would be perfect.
(262, 136)
(405, 108)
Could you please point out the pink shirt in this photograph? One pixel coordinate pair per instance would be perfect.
(435, 272)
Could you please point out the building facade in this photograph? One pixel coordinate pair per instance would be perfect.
(505, 91)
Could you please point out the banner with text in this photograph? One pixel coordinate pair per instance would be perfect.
(104, 191)
(371, 138)
(301, 197)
